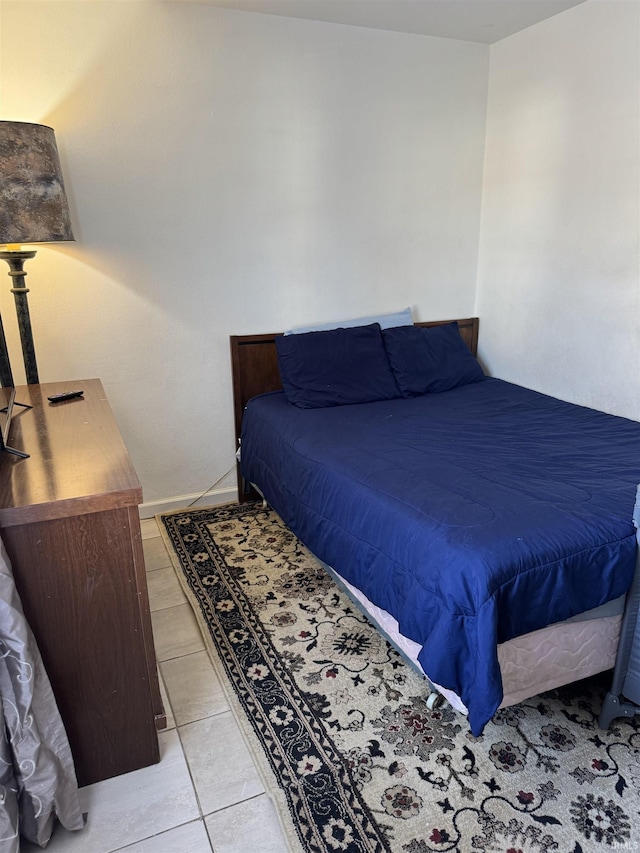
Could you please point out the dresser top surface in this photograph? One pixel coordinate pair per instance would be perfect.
(77, 455)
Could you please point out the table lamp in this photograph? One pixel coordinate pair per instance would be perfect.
(33, 209)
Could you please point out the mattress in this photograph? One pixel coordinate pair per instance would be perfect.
(472, 516)
(530, 664)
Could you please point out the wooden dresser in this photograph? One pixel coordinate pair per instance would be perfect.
(69, 521)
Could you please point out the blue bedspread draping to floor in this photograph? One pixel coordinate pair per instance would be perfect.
(472, 516)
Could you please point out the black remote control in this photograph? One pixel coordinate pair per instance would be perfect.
(66, 395)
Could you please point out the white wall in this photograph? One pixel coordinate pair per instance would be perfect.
(229, 173)
(558, 275)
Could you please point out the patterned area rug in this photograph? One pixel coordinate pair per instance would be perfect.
(337, 721)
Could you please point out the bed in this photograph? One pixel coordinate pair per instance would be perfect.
(486, 528)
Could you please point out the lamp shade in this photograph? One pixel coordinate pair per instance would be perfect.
(33, 204)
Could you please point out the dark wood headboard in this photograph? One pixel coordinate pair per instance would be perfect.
(254, 367)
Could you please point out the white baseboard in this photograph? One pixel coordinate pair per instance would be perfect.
(214, 498)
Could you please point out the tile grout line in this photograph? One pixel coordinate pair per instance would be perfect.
(206, 716)
(182, 604)
(202, 719)
(239, 803)
(200, 819)
(178, 732)
(168, 607)
(179, 727)
(160, 834)
(176, 656)
(170, 703)
(195, 788)
(179, 657)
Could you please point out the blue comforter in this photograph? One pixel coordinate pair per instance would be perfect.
(473, 516)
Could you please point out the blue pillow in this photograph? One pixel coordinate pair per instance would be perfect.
(386, 321)
(427, 359)
(335, 368)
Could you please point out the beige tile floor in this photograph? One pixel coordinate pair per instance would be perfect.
(205, 794)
